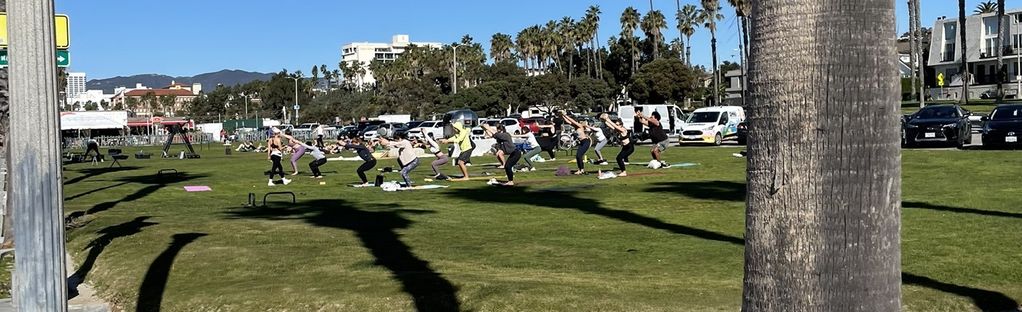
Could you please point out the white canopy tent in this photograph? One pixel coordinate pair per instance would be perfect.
(93, 120)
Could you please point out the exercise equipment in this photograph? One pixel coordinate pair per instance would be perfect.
(294, 199)
(173, 130)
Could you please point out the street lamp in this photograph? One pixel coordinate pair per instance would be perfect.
(296, 99)
(455, 84)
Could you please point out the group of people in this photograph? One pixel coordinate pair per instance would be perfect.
(511, 148)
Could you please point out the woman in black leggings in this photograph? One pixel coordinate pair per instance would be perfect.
(627, 145)
(584, 142)
(505, 143)
(369, 162)
(275, 155)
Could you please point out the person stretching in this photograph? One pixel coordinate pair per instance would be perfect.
(318, 157)
(532, 148)
(548, 141)
(319, 136)
(627, 144)
(583, 142)
(299, 151)
(505, 144)
(405, 155)
(657, 134)
(273, 152)
(465, 144)
(92, 146)
(441, 158)
(368, 161)
(601, 141)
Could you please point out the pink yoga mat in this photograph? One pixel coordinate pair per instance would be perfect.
(197, 189)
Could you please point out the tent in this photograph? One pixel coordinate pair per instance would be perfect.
(93, 120)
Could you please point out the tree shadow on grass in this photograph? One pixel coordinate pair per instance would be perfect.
(992, 213)
(377, 229)
(96, 247)
(985, 300)
(150, 294)
(154, 183)
(569, 200)
(93, 172)
(711, 190)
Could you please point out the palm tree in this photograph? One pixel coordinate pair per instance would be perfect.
(986, 7)
(810, 219)
(569, 33)
(688, 20)
(500, 47)
(1002, 34)
(168, 103)
(585, 33)
(327, 75)
(711, 15)
(965, 61)
(629, 22)
(652, 24)
(742, 8)
(522, 43)
(593, 15)
(552, 43)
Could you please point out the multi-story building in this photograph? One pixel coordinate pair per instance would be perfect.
(75, 85)
(135, 99)
(366, 52)
(981, 56)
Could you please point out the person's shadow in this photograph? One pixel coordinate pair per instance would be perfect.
(96, 247)
(153, 183)
(150, 294)
(377, 229)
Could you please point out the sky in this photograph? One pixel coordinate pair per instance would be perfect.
(188, 37)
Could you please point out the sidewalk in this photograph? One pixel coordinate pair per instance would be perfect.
(86, 301)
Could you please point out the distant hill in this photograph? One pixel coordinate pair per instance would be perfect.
(208, 80)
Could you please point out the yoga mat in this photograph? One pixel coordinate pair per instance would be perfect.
(423, 187)
(201, 188)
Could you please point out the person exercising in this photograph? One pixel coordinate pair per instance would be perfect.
(368, 161)
(461, 138)
(505, 144)
(275, 154)
(405, 155)
(657, 134)
(627, 144)
(583, 142)
(318, 157)
(90, 146)
(441, 158)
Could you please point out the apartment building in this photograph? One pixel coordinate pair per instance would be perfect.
(981, 56)
(366, 52)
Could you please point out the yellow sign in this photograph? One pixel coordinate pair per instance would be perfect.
(63, 31)
(940, 79)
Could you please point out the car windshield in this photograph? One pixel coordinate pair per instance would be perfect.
(937, 113)
(427, 124)
(492, 122)
(1007, 113)
(704, 117)
(372, 128)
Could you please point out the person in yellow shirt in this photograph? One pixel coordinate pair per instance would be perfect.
(465, 144)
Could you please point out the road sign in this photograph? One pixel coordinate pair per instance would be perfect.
(63, 38)
(940, 79)
(63, 58)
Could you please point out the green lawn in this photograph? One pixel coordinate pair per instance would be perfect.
(665, 240)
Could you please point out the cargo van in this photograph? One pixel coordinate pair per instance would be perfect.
(671, 116)
(712, 125)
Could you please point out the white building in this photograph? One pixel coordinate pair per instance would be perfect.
(75, 85)
(981, 56)
(366, 52)
(94, 96)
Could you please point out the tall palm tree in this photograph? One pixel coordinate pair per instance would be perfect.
(965, 60)
(688, 20)
(327, 75)
(568, 32)
(552, 43)
(593, 15)
(742, 8)
(809, 217)
(652, 25)
(523, 45)
(986, 7)
(1002, 35)
(585, 35)
(629, 22)
(711, 14)
(500, 47)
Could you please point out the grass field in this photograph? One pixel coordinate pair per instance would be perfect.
(667, 240)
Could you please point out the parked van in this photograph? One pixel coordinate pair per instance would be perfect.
(671, 116)
(713, 125)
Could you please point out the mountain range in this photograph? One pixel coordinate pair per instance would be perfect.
(208, 80)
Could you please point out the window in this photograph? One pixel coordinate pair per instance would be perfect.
(1018, 18)
(990, 26)
(1016, 42)
(949, 42)
(988, 47)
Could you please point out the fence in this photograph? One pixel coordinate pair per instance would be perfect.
(196, 139)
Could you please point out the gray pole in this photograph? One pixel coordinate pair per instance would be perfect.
(36, 191)
(919, 54)
(455, 82)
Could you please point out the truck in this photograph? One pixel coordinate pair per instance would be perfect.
(672, 117)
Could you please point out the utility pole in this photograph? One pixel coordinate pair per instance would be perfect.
(296, 100)
(36, 190)
(454, 83)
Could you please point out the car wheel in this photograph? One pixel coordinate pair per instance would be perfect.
(717, 140)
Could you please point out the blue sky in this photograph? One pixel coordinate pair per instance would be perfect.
(187, 37)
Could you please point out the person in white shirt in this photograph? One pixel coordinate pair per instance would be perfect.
(601, 141)
(319, 136)
(532, 148)
(405, 156)
(318, 157)
(441, 158)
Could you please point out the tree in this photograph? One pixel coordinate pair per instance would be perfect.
(1002, 32)
(315, 76)
(500, 48)
(629, 22)
(653, 24)
(664, 80)
(593, 16)
(965, 58)
(131, 103)
(823, 208)
(986, 7)
(168, 103)
(150, 102)
(688, 20)
(569, 31)
(711, 15)
(327, 75)
(91, 106)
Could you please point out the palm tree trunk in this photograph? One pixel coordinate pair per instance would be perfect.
(965, 58)
(912, 43)
(688, 51)
(656, 47)
(571, 62)
(919, 55)
(1002, 34)
(823, 208)
(599, 58)
(716, 74)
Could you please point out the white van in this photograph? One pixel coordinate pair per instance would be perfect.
(713, 124)
(671, 116)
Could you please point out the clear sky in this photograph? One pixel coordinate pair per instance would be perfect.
(187, 37)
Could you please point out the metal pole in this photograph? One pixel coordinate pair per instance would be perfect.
(296, 100)
(246, 106)
(36, 191)
(1018, 58)
(454, 83)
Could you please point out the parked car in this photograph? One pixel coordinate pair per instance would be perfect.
(466, 116)
(1003, 127)
(712, 124)
(427, 127)
(347, 132)
(397, 128)
(743, 133)
(369, 132)
(948, 124)
(305, 127)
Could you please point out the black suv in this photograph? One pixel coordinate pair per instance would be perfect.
(1003, 127)
(939, 124)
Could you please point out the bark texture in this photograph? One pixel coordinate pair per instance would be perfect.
(824, 195)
